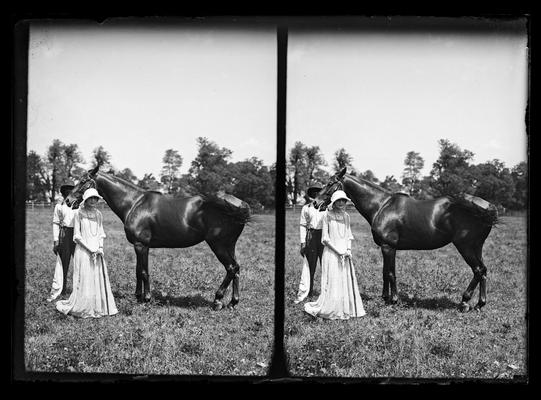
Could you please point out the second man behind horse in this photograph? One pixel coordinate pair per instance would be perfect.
(310, 238)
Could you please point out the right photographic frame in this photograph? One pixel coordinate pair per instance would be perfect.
(407, 191)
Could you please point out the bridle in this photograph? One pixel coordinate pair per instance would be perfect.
(336, 185)
(87, 184)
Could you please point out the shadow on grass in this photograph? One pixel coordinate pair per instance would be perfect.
(182, 301)
(366, 297)
(435, 303)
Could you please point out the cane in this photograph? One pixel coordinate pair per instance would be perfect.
(104, 280)
(353, 283)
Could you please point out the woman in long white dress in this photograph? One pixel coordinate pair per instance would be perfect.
(339, 297)
(91, 296)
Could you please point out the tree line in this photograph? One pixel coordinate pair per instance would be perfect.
(453, 173)
(210, 171)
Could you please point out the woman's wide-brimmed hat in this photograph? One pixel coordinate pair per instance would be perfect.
(91, 193)
(339, 194)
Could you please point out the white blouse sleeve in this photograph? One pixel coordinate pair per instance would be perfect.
(325, 237)
(77, 227)
(56, 222)
(302, 229)
(102, 231)
(102, 234)
(349, 233)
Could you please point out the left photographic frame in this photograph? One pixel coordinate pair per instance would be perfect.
(173, 122)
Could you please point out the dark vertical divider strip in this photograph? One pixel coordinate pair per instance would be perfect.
(19, 91)
(278, 367)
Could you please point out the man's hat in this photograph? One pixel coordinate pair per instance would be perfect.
(66, 188)
(313, 190)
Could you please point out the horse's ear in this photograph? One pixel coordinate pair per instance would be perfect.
(94, 170)
(342, 172)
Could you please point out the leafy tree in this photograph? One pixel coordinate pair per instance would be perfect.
(56, 167)
(451, 173)
(390, 183)
(209, 170)
(172, 161)
(342, 159)
(519, 174)
(314, 162)
(72, 159)
(412, 172)
(426, 190)
(149, 182)
(493, 182)
(101, 157)
(46, 174)
(128, 175)
(369, 176)
(252, 182)
(272, 174)
(37, 178)
(296, 170)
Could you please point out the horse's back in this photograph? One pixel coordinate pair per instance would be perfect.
(414, 224)
(167, 221)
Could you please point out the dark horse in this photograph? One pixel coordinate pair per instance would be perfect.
(152, 219)
(400, 222)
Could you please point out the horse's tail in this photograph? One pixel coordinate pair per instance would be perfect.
(485, 211)
(229, 205)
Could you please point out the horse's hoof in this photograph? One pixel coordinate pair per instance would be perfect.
(232, 305)
(217, 306)
(147, 298)
(464, 307)
(478, 307)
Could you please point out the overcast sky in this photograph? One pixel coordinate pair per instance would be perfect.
(380, 95)
(139, 91)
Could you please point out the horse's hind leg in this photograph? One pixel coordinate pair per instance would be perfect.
(483, 279)
(225, 254)
(470, 254)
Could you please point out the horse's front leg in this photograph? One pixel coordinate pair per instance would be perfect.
(389, 274)
(385, 273)
(138, 275)
(142, 289)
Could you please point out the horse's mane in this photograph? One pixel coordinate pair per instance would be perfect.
(124, 181)
(362, 181)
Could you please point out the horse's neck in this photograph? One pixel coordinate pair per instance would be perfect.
(118, 196)
(366, 198)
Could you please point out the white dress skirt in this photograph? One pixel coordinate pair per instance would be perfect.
(92, 296)
(339, 297)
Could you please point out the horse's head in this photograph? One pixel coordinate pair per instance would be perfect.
(76, 195)
(335, 183)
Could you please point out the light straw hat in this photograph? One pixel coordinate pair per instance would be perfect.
(91, 193)
(339, 194)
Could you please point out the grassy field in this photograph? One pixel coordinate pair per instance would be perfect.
(424, 335)
(177, 332)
